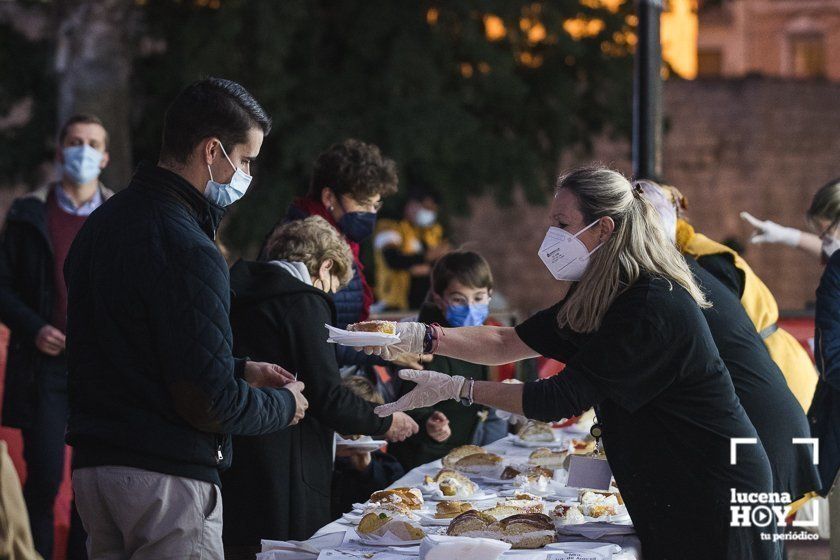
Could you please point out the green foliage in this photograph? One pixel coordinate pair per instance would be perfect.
(26, 73)
(459, 112)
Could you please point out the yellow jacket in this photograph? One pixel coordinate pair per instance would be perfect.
(392, 286)
(763, 310)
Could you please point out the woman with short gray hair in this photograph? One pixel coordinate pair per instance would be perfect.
(279, 484)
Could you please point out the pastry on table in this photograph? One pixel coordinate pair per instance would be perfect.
(448, 510)
(568, 514)
(410, 497)
(385, 327)
(459, 453)
(584, 497)
(500, 511)
(523, 530)
(378, 524)
(479, 463)
(528, 530)
(598, 504)
(536, 431)
(510, 473)
(582, 447)
(444, 474)
(470, 522)
(391, 509)
(545, 457)
(600, 510)
(450, 483)
(528, 503)
(451, 487)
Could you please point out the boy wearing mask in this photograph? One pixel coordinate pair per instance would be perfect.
(462, 285)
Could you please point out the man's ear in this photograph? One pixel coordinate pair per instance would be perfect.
(106, 157)
(209, 148)
(326, 266)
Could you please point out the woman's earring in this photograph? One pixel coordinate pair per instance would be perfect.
(332, 208)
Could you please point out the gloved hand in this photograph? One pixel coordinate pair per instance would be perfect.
(411, 342)
(771, 232)
(432, 387)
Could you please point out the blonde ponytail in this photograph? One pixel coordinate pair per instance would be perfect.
(638, 243)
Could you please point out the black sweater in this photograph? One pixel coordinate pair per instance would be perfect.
(669, 412)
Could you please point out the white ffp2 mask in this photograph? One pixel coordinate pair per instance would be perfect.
(565, 256)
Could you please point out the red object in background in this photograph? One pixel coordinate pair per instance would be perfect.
(546, 367)
(13, 439)
(802, 329)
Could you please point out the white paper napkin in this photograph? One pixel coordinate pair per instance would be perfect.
(444, 547)
(583, 551)
(287, 550)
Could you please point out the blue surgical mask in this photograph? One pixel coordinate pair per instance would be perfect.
(357, 226)
(81, 163)
(425, 217)
(225, 194)
(467, 315)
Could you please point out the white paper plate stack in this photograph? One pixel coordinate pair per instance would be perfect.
(350, 338)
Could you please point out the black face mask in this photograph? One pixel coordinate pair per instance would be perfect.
(357, 226)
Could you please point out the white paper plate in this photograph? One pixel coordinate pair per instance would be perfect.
(479, 496)
(364, 444)
(596, 530)
(351, 517)
(432, 521)
(388, 539)
(356, 339)
(519, 442)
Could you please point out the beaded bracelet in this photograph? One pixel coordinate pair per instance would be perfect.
(431, 340)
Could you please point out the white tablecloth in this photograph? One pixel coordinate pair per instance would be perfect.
(629, 544)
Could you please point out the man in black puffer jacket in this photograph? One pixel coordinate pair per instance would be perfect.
(154, 390)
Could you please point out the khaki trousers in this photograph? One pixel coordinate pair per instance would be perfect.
(136, 514)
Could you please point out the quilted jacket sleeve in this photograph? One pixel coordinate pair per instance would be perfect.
(827, 321)
(192, 336)
(13, 311)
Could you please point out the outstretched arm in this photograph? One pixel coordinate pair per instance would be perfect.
(771, 232)
(485, 345)
(489, 346)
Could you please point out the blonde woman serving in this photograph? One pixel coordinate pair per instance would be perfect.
(630, 329)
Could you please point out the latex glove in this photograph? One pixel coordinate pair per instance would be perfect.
(771, 232)
(432, 387)
(411, 342)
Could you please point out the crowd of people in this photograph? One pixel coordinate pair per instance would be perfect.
(202, 401)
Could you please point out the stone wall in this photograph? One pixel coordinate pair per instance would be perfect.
(761, 145)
